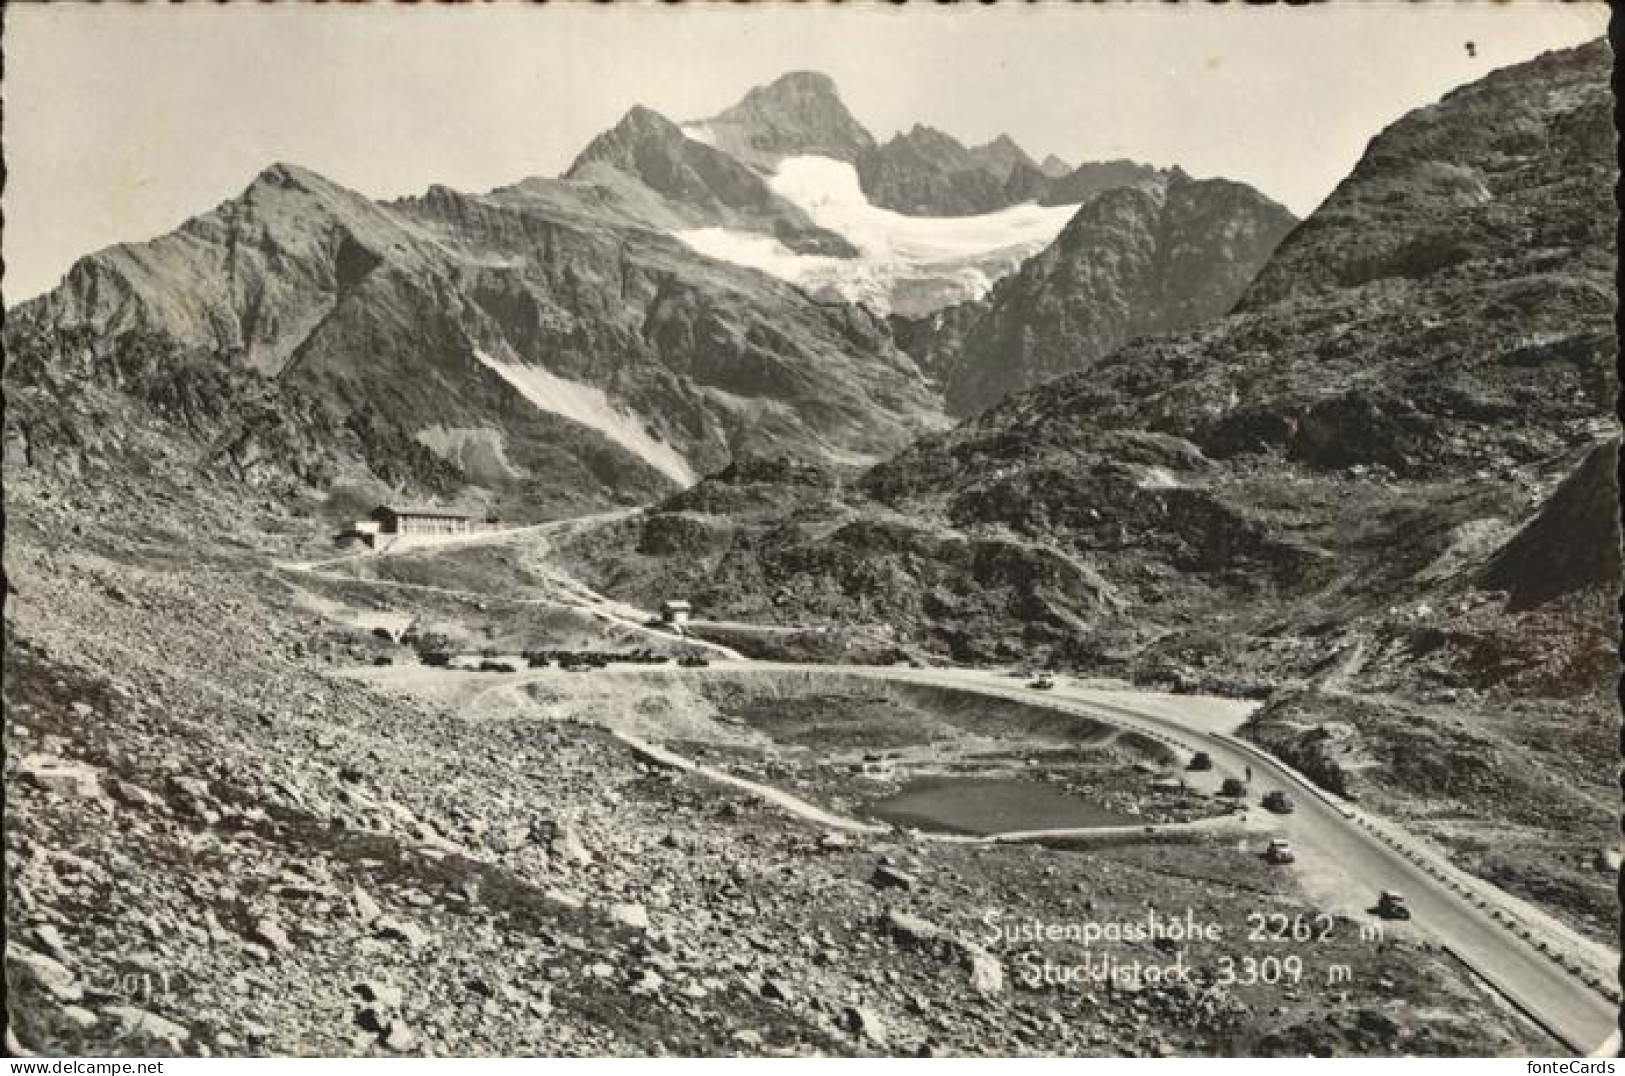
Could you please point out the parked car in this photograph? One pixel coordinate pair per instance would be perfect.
(1233, 788)
(1279, 851)
(1278, 802)
(693, 661)
(1200, 761)
(1391, 905)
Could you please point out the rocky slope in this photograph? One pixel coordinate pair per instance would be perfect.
(241, 842)
(1132, 262)
(303, 335)
(1325, 487)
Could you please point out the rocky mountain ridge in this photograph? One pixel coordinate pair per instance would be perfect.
(553, 343)
(920, 172)
(591, 354)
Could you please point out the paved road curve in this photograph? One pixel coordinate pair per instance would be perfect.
(1442, 901)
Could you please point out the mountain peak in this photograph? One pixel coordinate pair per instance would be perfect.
(640, 128)
(800, 83)
(283, 174)
(926, 131)
(797, 113)
(642, 118)
(1054, 167)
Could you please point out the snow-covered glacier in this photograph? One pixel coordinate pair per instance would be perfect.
(911, 265)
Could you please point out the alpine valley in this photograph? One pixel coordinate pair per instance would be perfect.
(718, 600)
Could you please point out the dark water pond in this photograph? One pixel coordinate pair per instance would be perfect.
(983, 805)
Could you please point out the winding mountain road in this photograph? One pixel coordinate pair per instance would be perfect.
(1518, 951)
(1558, 980)
(1563, 983)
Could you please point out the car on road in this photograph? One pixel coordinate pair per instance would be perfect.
(1233, 788)
(693, 661)
(1278, 802)
(1200, 761)
(1391, 905)
(1042, 682)
(1279, 851)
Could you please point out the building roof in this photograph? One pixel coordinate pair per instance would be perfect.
(421, 510)
(678, 604)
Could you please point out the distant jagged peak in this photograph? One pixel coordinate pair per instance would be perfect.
(639, 129)
(284, 176)
(1003, 155)
(639, 124)
(927, 134)
(1054, 167)
(644, 118)
(798, 113)
(1090, 178)
(1003, 143)
(797, 85)
(290, 199)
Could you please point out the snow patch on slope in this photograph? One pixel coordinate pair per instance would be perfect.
(911, 264)
(589, 406)
(699, 132)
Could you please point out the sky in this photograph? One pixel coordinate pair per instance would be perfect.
(123, 121)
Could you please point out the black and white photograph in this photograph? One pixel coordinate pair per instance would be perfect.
(810, 530)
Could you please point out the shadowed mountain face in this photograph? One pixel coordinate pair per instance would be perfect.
(1132, 262)
(302, 334)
